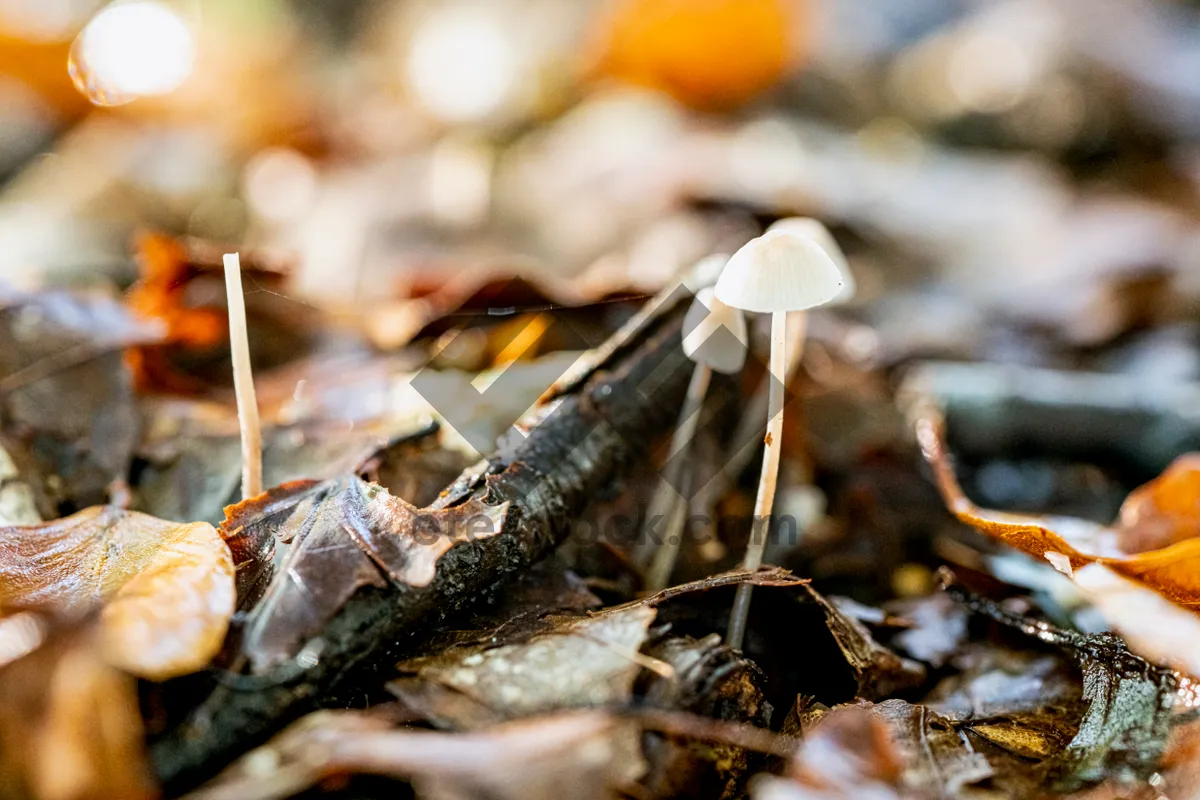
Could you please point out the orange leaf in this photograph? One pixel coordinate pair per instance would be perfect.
(1164, 511)
(1157, 511)
(709, 54)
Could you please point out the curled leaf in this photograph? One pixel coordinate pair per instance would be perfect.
(1163, 512)
(1154, 626)
(1173, 571)
(165, 589)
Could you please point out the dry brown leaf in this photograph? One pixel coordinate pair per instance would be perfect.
(580, 662)
(166, 589)
(67, 416)
(890, 751)
(586, 754)
(69, 724)
(1155, 512)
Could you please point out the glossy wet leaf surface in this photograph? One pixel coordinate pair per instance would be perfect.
(164, 590)
(304, 548)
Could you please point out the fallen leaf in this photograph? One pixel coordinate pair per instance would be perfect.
(69, 722)
(850, 754)
(1172, 571)
(588, 755)
(1029, 736)
(182, 288)
(528, 659)
(1163, 512)
(995, 681)
(193, 477)
(67, 415)
(939, 761)
(880, 672)
(304, 548)
(1128, 701)
(586, 662)
(1025, 704)
(165, 590)
(890, 750)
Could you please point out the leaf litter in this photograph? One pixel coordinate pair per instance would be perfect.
(161, 635)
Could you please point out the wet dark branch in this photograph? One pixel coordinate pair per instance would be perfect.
(584, 442)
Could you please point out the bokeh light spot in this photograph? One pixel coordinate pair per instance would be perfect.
(131, 50)
(462, 66)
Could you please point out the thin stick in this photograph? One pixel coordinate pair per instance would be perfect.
(765, 501)
(668, 500)
(243, 379)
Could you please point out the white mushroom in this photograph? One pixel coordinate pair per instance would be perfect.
(816, 230)
(704, 273)
(778, 272)
(705, 344)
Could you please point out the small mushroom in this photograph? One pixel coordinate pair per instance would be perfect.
(778, 272)
(704, 273)
(816, 230)
(712, 349)
(721, 353)
(243, 379)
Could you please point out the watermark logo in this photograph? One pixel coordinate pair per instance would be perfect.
(497, 410)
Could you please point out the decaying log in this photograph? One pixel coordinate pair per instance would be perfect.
(578, 443)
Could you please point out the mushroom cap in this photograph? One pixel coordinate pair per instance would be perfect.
(715, 334)
(704, 273)
(815, 230)
(779, 271)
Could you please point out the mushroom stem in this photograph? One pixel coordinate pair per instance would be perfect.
(243, 379)
(763, 503)
(669, 499)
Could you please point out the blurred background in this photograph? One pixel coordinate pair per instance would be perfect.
(1014, 180)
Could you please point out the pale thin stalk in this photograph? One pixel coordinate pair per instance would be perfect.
(667, 499)
(765, 500)
(756, 408)
(243, 379)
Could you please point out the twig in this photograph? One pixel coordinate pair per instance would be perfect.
(243, 380)
(694, 726)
